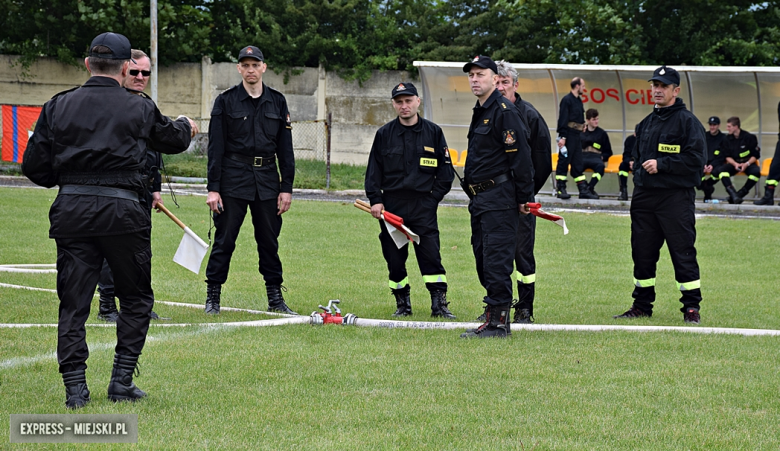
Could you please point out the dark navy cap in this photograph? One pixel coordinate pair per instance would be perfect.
(666, 75)
(714, 120)
(404, 89)
(250, 51)
(117, 43)
(481, 61)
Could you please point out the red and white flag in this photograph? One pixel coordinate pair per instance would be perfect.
(536, 210)
(400, 234)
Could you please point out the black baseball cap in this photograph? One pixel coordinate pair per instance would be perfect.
(404, 89)
(666, 75)
(117, 43)
(250, 51)
(481, 61)
(714, 120)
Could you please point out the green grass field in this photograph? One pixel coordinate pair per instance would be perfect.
(330, 387)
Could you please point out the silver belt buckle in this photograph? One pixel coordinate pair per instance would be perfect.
(255, 163)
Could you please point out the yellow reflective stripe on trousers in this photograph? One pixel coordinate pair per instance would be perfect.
(399, 285)
(644, 283)
(435, 278)
(692, 285)
(560, 177)
(771, 182)
(753, 178)
(623, 173)
(579, 179)
(724, 174)
(530, 278)
(597, 176)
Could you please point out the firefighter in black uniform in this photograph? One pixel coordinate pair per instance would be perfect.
(596, 149)
(250, 135)
(668, 160)
(774, 174)
(571, 121)
(137, 79)
(92, 141)
(499, 178)
(742, 154)
(539, 142)
(409, 172)
(626, 165)
(716, 146)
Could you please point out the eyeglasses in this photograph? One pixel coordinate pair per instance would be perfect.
(145, 73)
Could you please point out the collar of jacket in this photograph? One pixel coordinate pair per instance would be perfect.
(665, 113)
(415, 128)
(101, 81)
(494, 96)
(243, 95)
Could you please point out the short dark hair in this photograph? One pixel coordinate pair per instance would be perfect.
(138, 54)
(576, 81)
(591, 113)
(104, 66)
(734, 120)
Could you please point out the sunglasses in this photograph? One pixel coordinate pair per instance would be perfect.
(145, 73)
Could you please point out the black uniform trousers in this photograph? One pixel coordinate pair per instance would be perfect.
(267, 225)
(753, 172)
(419, 214)
(525, 261)
(774, 168)
(593, 161)
(79, 262)
(574, 158)
(659, 215)
(106, 280)
(494, 240)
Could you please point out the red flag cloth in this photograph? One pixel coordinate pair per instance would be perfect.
(536, 210)
(17, 127)
(397, 222)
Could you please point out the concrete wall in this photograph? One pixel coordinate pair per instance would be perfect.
(358, 110)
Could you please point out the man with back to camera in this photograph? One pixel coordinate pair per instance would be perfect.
(741, 155)
(539, 142)
(716, 147)
(499, 177)
(669, 158)
(571, 121)
(408, 173)
(137, 78)
(596, 149)
(250, 134)
(92, 142)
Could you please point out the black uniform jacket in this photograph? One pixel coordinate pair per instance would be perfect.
(238, 127)
(99, 134)
(628, 148)
(599, 140)
(408, 162)
(742, 148)
(538, 140)
(716, 148)
(571, 110)
(497, 146)
(674, 137)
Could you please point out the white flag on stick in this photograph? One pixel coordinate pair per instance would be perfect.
(191, 248)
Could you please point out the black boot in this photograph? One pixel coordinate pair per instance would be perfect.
(623, 180)
(561, 192)
(734, 198)
(213, 293)
(107, 308)
(276, 301)
(708, 188)
(769, 196)
(121, 386)
(524, 307)
(496, 324)
(592, 186)
(76, 391)
(402, 301)
(439, 305)
(585, 192)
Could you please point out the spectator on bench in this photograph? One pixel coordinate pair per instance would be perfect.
(742, 154)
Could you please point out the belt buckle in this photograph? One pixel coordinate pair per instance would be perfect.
(473, 191)
(255, 162)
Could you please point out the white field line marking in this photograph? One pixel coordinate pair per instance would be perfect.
(367, 322)
(45, 268)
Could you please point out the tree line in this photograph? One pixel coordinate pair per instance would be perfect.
(355, 37)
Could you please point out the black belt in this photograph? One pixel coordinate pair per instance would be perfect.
(254, 161)
(481, 187)
(103, 191)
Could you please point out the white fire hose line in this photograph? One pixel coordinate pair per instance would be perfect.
(30, 268)
(394, 324)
